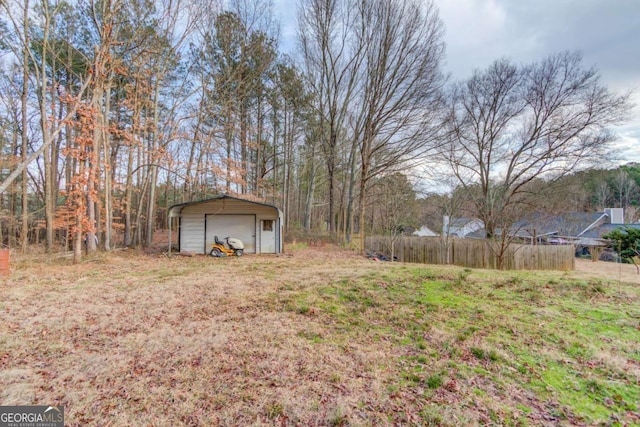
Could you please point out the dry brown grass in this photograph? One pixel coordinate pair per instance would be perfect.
(607, 271)
(132, 339)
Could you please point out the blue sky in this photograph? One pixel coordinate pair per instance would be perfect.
(607, 32)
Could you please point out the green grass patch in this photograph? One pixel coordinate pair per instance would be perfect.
(551, 339)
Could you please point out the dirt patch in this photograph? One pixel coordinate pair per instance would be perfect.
(610, 271)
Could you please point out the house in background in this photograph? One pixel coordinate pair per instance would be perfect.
(594, 236)
(258, 225)
(460, 227)
(585, 231)
(424, 231)
(579, 228)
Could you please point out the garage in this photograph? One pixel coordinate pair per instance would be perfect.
(258, 225)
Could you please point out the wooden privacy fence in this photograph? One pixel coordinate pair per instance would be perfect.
(473, 253)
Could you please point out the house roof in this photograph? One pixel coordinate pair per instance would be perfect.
(594, 237)
(461, 222)
(176, 209)
(579, 228)
(598, 232)
(571, 224)
(590, 242)
(425, 231)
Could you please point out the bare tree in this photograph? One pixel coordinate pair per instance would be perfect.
(401, 86)
(440, 209)
(332, 57)
(12, 129)
(150, 44)
(624, 187)
(394, 209)
(508, 125)
(602, 195)
(24, 112)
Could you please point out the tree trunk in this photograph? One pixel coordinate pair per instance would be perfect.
(153, 171)
(331, 163)
(350, 196)
(106, 148)
(128, 199)
(243, 145)
(25, 139)
(362, 200)
(189, 172)
(94, 163)
(77, 242)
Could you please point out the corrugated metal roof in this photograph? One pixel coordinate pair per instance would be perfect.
(177, 208)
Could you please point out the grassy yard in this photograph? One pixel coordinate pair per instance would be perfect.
(317, 337)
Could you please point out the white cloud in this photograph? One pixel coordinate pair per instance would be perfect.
(472, 22)
(472, 29)
(286, 14)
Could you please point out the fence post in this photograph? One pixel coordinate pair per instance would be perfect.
(452, 253)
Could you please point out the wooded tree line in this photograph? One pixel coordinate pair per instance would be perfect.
(111, 111)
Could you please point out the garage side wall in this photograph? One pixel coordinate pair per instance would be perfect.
(192, 232)
(193, 220)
